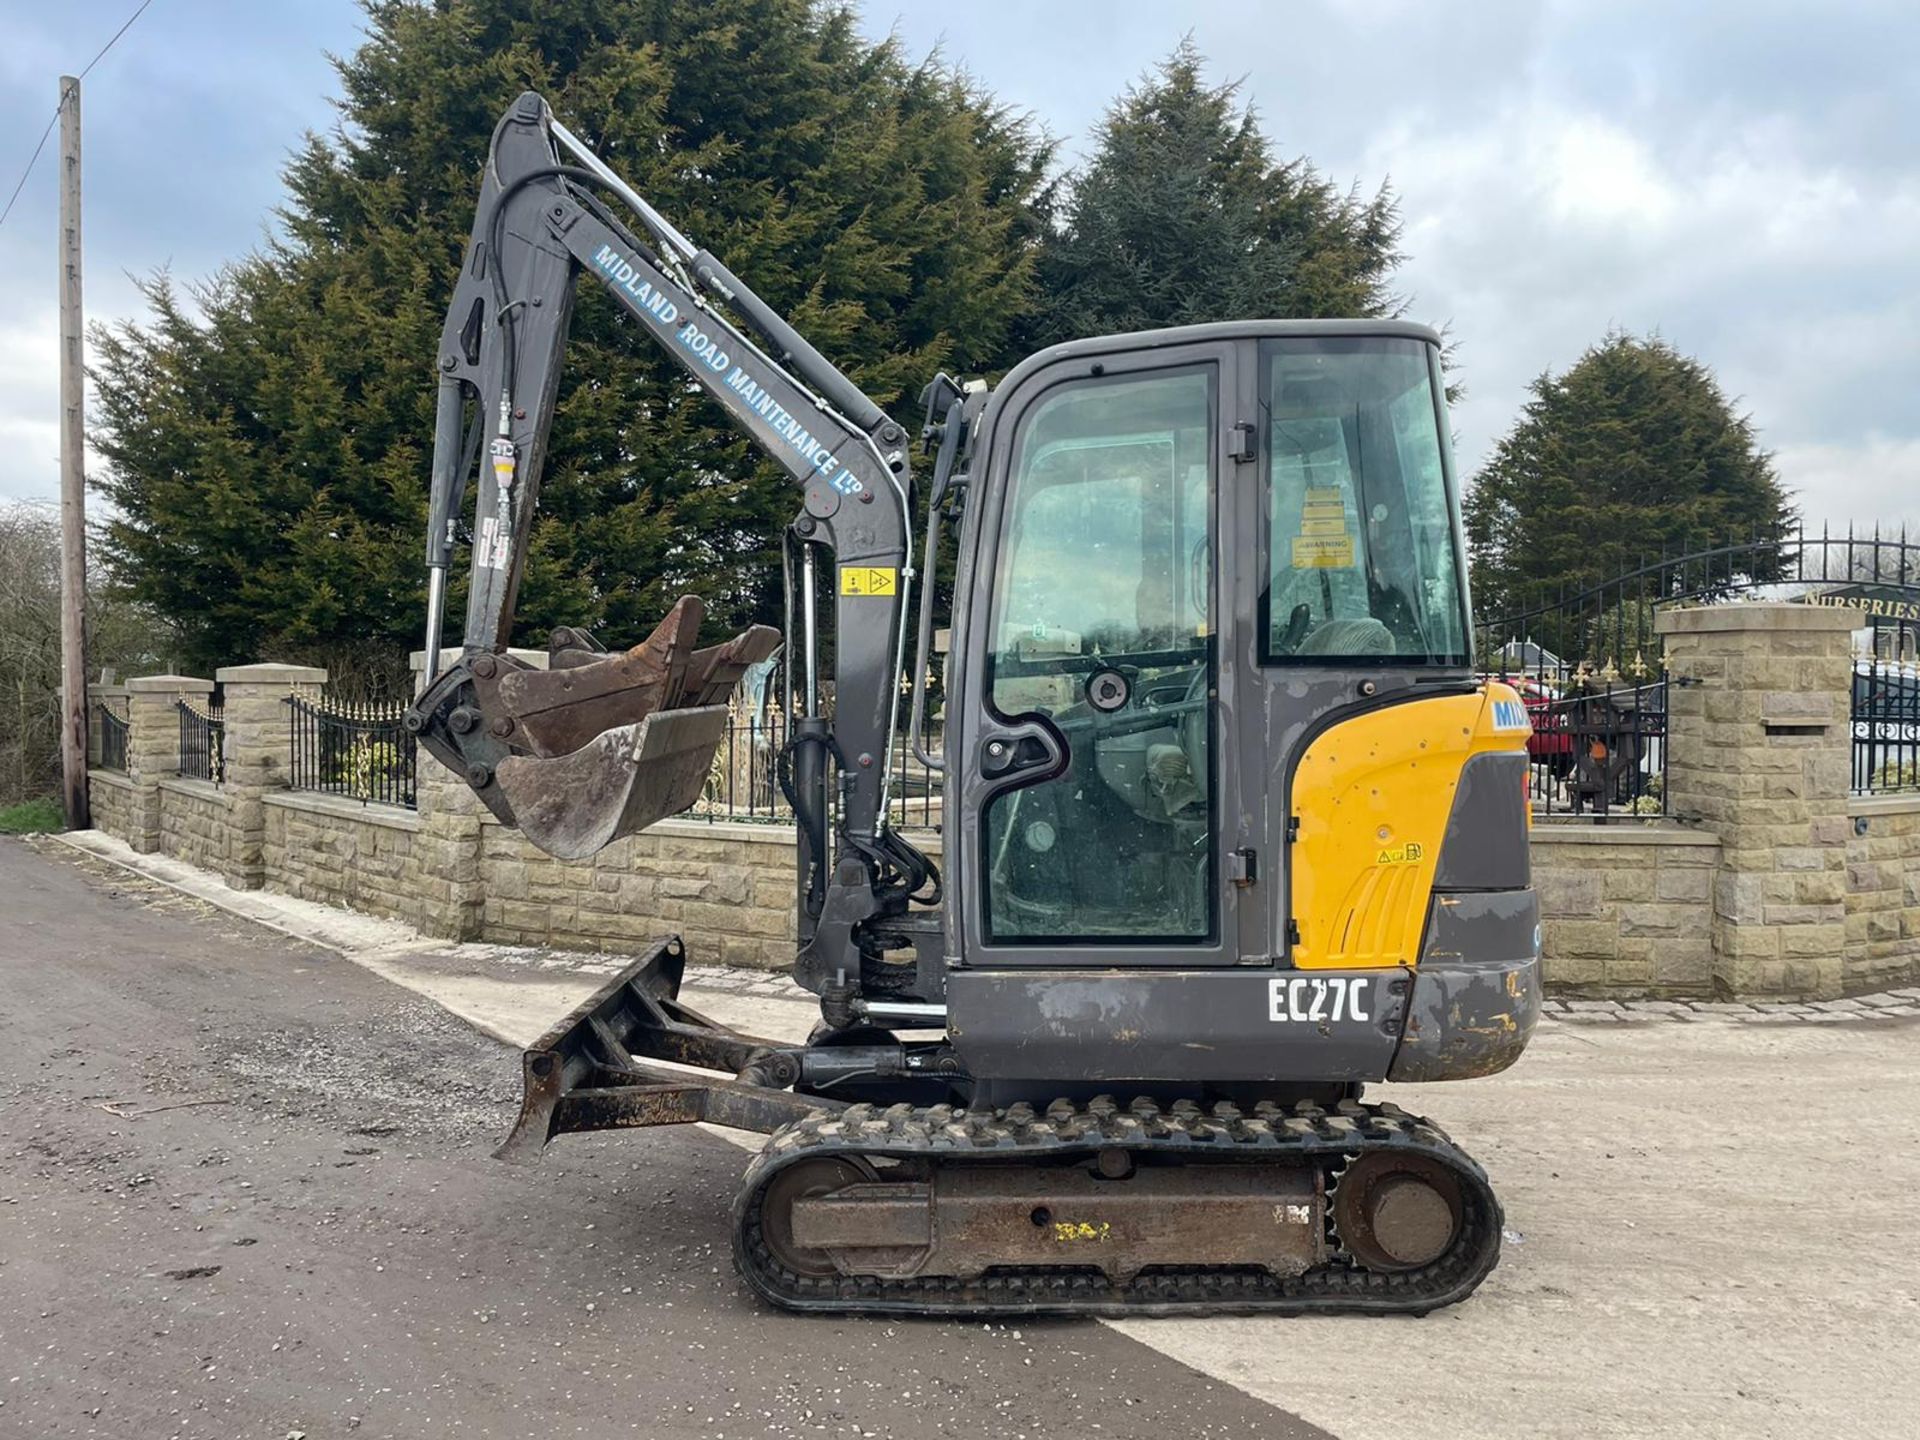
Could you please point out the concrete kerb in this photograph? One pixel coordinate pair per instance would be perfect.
(341, 931)
(379, 945)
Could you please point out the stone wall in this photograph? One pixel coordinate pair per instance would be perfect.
(728, 889)
(1765, 881)
(193, 823)
(340, 852)
(1626, 909)
(111, 798)
(1883, 892)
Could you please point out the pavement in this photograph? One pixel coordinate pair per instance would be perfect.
(1712, 1214)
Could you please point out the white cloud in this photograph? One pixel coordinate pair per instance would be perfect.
(1730, 175)
(32, 448)
(30, 352)
(30, 406)
(1541, 226)
(1598, 174)
(1863, 483)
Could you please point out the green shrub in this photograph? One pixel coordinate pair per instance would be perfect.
(370, 767)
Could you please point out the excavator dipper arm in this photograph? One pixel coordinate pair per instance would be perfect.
(562, 753)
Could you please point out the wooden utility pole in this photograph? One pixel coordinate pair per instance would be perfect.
(73, 472)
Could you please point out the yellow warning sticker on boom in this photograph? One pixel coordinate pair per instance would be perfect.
(869, 580)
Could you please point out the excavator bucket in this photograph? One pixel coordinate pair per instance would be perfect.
(619, 782)
(618, 741)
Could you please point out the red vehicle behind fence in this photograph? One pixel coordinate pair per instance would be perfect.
(1550, 744)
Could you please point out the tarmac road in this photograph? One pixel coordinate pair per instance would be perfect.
(1712, 1219)
(245, 1191)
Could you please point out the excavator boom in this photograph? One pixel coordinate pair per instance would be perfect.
(572, 755)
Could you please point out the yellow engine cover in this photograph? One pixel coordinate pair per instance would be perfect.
(1373, 795)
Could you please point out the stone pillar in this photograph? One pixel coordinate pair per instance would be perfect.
(446, 854)
(1759, 751)
(256, 756)
(153, 746)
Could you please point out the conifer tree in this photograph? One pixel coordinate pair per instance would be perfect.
(1184, 216)
(268, 455)
(1632, 452)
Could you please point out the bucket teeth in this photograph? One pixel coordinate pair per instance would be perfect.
(622, 740)
(557, 711)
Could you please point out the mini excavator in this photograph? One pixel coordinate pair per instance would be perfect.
(1230, 827)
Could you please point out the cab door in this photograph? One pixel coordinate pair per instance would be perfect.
(1101, 820)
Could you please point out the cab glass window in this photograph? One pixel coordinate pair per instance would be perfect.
(1362, 563)
(1102, 623)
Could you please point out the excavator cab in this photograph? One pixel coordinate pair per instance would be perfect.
(1231, 829)
(1212, 714)
(1155, 658)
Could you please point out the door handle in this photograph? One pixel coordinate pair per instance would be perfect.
(1035, 746)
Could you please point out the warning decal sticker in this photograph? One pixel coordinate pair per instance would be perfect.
(1323, 552)
(869, 580)
(1324, 542)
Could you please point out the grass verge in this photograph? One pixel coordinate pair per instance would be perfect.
(32, 817)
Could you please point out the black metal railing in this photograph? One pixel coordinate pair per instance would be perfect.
(1589, 661)
(357, 750)
(1598, 750)
(110, 746)
(1550, 629)
(744, 780)
(1886, 727)
(203, 738)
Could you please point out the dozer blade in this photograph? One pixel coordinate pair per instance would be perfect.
(593, 1070)
(621, 781)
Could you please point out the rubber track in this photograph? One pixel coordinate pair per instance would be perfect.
(1305, 1133)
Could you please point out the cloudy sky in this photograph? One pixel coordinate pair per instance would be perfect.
(1737, 176)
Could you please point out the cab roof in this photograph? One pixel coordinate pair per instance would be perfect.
(1134, 341)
